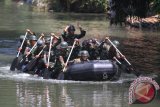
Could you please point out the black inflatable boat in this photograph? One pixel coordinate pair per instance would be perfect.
(96, 70)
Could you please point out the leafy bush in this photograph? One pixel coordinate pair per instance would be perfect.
(92, 6)
(156, 5)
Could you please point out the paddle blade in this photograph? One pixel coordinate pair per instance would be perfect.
(30, 66)
(137, 73)
(21, 63)
(14, 64)
(132, 70)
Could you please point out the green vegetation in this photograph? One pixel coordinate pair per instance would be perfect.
(97, 6)
(155, 4)
(84, 6)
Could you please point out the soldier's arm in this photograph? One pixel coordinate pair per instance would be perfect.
(64, 33)
(58, 39)
(61, 60)
(45, 59)
(30, 32)
(26, 52)
(82, 33)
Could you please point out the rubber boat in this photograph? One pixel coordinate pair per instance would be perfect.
(96, 70)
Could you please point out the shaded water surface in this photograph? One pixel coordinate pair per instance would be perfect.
(43, 94)
(141, 47)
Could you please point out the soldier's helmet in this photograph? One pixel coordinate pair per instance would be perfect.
(83, 53)
(64, 45)
(21, 37)
(116, 43)
(47, 39)
(33, 37)
(40, 43)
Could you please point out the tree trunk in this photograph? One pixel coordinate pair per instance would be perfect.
(68, 5)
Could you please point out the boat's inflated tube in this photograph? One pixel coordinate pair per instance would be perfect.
(97, 70)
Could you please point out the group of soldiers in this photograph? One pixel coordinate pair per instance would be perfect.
(53, 51)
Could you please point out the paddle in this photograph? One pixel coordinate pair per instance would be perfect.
(24, 58)
(46, 71)
(16, 60)
(131, 68)
(42, 35)
(61, 75)
(33, 62)
(117, 61)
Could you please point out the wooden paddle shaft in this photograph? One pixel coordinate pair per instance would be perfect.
(119, 51)
(49, 53)
(118, 61)
(22, 43)
(41, 50)
(69, 56)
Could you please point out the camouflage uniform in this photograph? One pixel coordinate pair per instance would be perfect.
(41, 64)
(28, 56)
(59, 54)
(69, 38)
(104, 50)
(81, 59)
(92, 48)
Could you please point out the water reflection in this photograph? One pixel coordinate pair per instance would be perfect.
(33, 96)
(75, 95)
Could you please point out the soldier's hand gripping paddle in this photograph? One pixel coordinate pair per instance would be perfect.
(16, 59)
(61, 75)
(130, 66)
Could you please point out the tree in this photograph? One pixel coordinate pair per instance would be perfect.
(156, 5)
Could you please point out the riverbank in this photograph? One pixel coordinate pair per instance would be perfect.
(37, 5)
(152, 22)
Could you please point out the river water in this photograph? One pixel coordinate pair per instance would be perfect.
(141, 47)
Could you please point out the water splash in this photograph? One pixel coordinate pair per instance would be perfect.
(5, 73)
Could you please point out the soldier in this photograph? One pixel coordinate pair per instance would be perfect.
(32, 41)
(104, 49)
(112, 54)
(69, 36)
(119, 58)
(91, 45)
(28, 55)
(36, 57)
(26, 42)
(61, 57)
(42, 63)
(83, 57)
